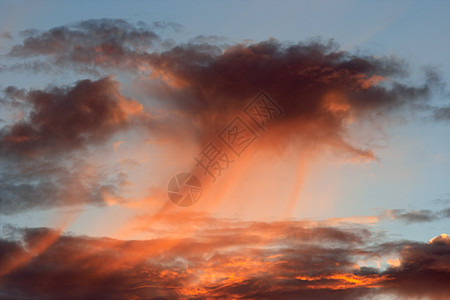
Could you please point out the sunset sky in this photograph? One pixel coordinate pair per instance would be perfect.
(212, 149)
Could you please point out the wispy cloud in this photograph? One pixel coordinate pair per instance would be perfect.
(416, 216)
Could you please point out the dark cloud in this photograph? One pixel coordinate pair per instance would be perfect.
(236, 260)
(35, 66)
(46, 184)
(320, 87)
(424, 271)
(210, 39)
(166, 25)
(110, 43)
(13, 97)
(442, 113)
(66, 119)
(445, 213)
(12, 92)
(416, 216)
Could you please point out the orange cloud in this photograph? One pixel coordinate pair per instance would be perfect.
(221, 258)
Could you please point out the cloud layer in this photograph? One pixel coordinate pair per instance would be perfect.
(230, 259)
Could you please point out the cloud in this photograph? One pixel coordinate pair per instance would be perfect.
(442, 113)
(321, 88)
(64, 119)
(165, 25)
(225, 258)
(5, 35)
(42, 185)
(440, 239)
(424, 270)
(445, 213)
(110, 43)
(35, 66)
(416, 216)
(43, 155)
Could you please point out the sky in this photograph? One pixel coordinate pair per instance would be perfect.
(212, 149)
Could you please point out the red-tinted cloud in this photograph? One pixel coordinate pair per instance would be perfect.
(66, 119)
(321, 88)
(228, 259)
